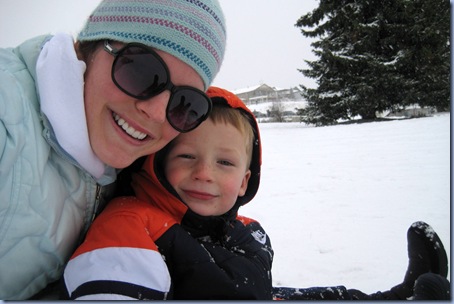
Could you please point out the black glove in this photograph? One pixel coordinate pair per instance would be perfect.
(426, 254)
(431, 286)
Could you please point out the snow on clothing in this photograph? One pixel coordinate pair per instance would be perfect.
(47, 197)
(153, 247)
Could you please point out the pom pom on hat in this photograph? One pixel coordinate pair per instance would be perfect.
(191, 30)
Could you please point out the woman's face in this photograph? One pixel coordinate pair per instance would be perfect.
(121, 128)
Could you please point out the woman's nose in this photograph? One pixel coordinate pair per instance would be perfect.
(155, 107)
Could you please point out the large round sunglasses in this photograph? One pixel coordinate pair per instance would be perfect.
(141, 73)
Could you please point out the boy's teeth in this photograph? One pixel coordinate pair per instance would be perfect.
(128, 129)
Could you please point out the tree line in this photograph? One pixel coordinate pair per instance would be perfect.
(376, 55)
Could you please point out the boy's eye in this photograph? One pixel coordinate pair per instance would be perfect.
(186, 156)
(225, 163)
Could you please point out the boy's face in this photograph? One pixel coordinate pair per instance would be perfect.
(208, 167)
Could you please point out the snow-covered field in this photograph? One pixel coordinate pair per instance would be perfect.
(337, 201)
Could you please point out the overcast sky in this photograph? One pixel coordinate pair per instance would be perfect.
(263, 45)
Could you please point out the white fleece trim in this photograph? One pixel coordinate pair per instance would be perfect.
(60, 78)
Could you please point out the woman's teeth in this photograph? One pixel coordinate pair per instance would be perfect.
(128, 129)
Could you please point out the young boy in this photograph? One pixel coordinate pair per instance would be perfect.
(181, 236)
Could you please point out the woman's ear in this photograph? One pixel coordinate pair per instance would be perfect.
(78, 52)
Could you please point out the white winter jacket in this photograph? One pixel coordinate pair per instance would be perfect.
(46, 198)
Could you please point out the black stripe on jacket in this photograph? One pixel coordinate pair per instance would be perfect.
(119, 288)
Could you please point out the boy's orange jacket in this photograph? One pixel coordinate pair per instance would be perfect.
(153, 247)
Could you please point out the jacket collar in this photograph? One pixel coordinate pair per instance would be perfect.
(60, 78)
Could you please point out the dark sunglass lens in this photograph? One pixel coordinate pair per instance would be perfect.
(139, 73)
(187, 109)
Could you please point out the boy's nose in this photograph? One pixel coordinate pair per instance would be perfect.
(202, 171)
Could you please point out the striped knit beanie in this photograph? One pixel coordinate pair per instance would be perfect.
(191, 30)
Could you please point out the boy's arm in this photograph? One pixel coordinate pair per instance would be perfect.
(118, 259)
(425, 278)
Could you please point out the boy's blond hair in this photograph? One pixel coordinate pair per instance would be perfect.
(239, 120)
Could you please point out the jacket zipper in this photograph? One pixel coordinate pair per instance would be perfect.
(97, 198)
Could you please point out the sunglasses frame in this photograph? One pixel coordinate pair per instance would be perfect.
(116, 53)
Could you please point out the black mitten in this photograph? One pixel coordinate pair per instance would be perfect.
(431, 286)
(426, 254)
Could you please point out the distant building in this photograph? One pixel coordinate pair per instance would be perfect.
(264, 93)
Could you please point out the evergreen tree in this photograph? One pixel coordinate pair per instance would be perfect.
(367, 57)
(426, 63)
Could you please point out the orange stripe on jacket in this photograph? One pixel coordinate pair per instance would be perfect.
(126, 222)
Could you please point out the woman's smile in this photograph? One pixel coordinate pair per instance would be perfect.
(127, 128)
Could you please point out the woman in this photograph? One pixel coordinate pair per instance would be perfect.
(73, 113)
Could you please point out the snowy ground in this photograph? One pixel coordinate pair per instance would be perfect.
(337, 201)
